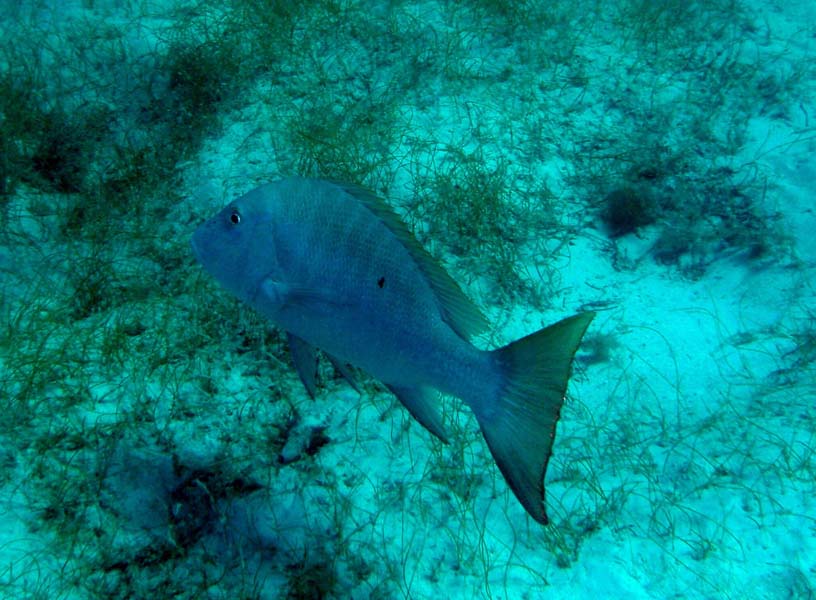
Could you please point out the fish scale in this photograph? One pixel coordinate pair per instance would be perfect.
(334, 267)
(349, 256)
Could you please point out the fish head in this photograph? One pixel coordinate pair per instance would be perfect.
(237, 245)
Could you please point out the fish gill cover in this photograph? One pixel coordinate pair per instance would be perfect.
(650, 161)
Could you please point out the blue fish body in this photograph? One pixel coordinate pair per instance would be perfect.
(334, 267)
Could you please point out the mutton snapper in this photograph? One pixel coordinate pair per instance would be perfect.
(335, 268)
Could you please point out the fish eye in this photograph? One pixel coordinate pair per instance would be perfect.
(235, 217)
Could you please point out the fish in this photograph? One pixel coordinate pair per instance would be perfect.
(333, 266)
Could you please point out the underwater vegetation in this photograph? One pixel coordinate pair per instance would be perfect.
(467, 207)
(152, 441)
(680, 178)
(627, 209)
(43, 146)
(694, 222)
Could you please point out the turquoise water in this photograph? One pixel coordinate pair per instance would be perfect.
(651, 161)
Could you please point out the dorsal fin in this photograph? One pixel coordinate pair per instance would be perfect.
(457, 309)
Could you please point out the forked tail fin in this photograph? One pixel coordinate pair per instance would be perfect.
(520, 428)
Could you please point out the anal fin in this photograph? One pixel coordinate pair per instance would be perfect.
(346, 371)
(420, 402)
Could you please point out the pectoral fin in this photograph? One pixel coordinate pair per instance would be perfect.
(279, 294)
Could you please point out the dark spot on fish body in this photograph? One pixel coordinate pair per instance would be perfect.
(381, 282)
